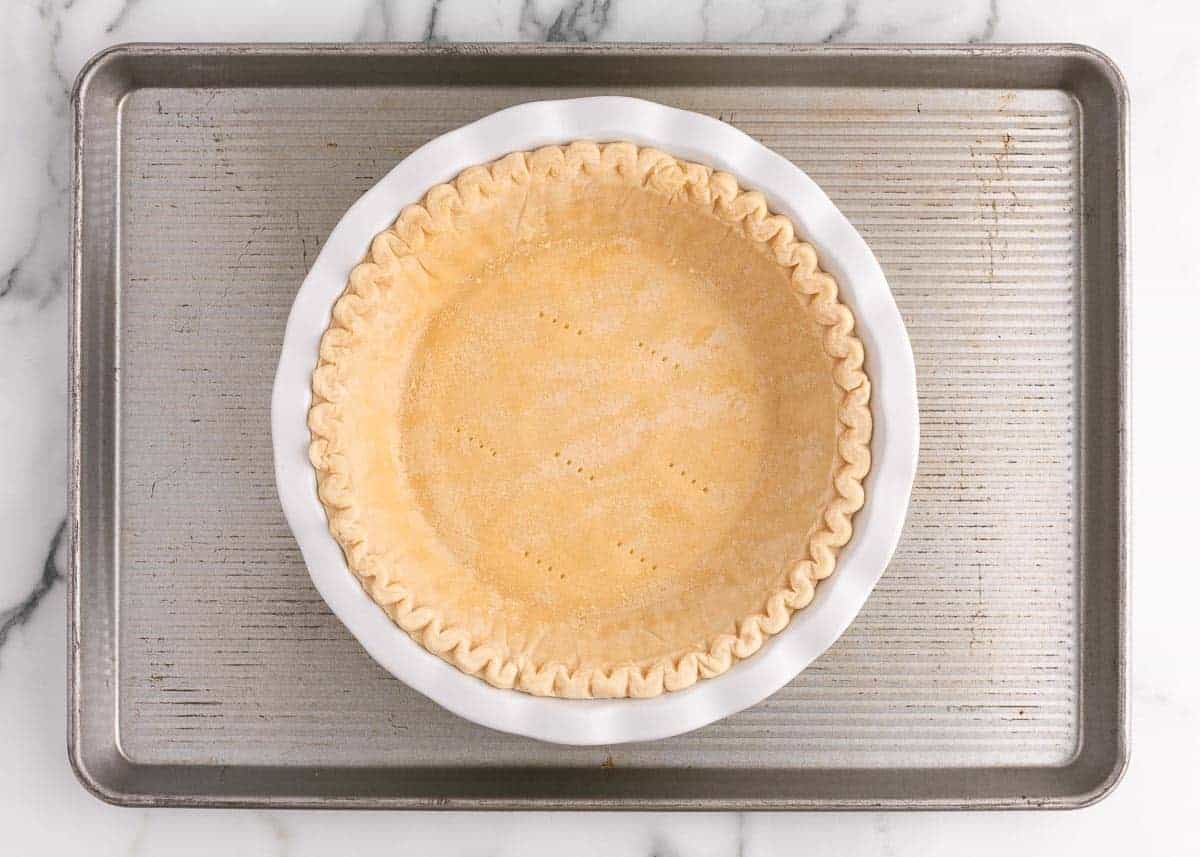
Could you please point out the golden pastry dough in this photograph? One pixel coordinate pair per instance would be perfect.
(590, 422)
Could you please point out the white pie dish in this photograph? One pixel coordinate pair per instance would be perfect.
(889, 364)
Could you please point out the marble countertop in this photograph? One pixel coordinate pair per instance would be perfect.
(43, 43)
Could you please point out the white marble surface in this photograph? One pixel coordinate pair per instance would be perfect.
(44, 811)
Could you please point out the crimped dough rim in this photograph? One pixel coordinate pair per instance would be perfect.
(393, 252)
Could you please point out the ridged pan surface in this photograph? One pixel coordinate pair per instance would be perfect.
(967, 678)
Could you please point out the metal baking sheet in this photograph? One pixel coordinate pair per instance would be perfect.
(987, 670)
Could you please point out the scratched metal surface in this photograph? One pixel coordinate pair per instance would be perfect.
(966, 663)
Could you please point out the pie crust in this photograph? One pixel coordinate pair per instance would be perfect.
(589, 421)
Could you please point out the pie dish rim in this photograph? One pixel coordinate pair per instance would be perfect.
(894, 442)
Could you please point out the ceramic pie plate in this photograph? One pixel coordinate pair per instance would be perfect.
(889, 365)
